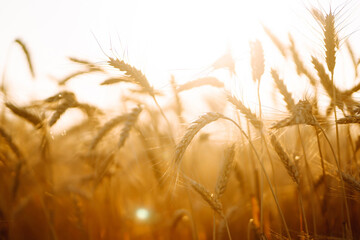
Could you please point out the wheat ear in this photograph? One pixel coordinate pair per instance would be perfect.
(280, 46)
(300, 66)
(136, 75)
(27, 54)
(9, 141)
(78, 73)
(349, 119)
(211, 81)
(129, 123)
(68, 102)
(209, 197)
(301, 114)
(225, 171)
(115, 80)
(353, 58)
(331, 40)
(25, 114)
(15, 149)
(191, 131)
(178, 104)
(257, 60)
(247, 112)
(106, 128)
(290, 166)
(290, 104)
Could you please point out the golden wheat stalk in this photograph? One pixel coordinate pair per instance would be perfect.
(86, 63)
(300, 66)
(136, 75)
(178, 104)
(339, 97)
(20, 157)
(211, 81)
(258, 124)
(280, 46)
(325, 80)
(290, 103)
(107, 128)
(9, 141)
(331, 41)
(88, 109)
(349, 119)
(115, 80)
(129, 123)
(209, 197)
(59, 96)
(257, 60)
(191, 131)
(302, 114)
(290, 166)
(259, 161)
(75, 74)
(25, 114)
(27, 54)
(225, 171)
(353, 58)
(67, 103)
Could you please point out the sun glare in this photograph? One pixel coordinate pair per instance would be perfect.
(142, 214)
(185, 38)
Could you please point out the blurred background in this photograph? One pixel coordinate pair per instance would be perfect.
(159, 37)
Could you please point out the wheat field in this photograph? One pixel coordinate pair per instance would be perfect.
(147, 170)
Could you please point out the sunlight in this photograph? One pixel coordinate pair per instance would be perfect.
(187, 37)
(206, 119)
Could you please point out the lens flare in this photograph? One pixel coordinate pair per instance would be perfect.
(142, 214)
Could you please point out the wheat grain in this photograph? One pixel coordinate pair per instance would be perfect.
(225, 171)
(331, 40)
(257, 60)
(191, 131)
(210, 198)
(88, 109)
(285, 159)
(302, 114)
(280, 46)
(86, 63)
(68, 102)
(106, 128)
(212, 81)
(59, 96)
(27, 54)
(349, 119)
(290, 104)
(114, 80)
(75, 74)
(300, 67)
(247, 112)
(178, 104)
(25, 114)
(353, 58)
(9, 141)
(136, 75)
(129, 123)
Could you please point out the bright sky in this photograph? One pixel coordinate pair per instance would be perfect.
(160, 37)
